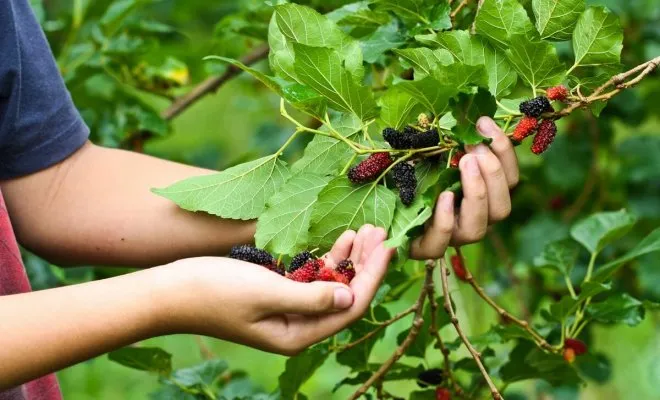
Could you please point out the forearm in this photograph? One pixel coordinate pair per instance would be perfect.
(96, 208)
(46, 331)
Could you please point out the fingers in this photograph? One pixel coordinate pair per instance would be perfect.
(342, 247)
(362, 234)
(473, 218)
(502, 148)
(376, 237)
(435, 240)
(497, 187)
(309, 298)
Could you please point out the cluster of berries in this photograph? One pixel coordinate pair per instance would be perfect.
(411, 138)
(304, 267)
(546, 130)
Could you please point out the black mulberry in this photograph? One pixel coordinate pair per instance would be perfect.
(405, 180)
(535, 107)
(299, 260)
(398, 140)
(426, 139)
(430, 377)
(251, 254)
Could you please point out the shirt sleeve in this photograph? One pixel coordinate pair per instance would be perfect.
(39, 124)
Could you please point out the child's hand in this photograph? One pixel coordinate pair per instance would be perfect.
(249, 304)
(487, 174)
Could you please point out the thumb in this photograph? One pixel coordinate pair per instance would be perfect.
(312, 298)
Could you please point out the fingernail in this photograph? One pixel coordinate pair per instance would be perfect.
(487, 127)
(447, 202)
(471, 165)
(343, 298)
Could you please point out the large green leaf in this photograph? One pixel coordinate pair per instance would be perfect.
(299, 369)
(598, 230)
(463, 77)
(499, 20)
(322, 69)
(598, 38)
(116, 13)
(386, 38)
(535, 61)
(621, 308)
(281, 56)
(151, 359)
(424, 60)
(405, 219)
(239, 192)
(421, 13)
(649, 244)
(560, 256)
(399, 107)
(431, 93)
(282, 228)
(555, 19)
(342, 205)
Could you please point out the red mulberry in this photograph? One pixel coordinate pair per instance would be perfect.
(442, 394)
(251, 254)
(535, 107)
(456, 159)
(544, 137)
(370, 169)
(300, 259)
(526, 126)
(559, 93)
(577, 345)
(458, 265)
(308, 272)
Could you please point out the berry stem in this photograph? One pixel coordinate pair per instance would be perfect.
(569, 285)
(348, 164)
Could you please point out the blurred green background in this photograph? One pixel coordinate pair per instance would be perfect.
(241, 121)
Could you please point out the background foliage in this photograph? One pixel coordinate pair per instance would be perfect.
(125, 60)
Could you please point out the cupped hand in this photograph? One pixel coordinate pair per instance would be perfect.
(248, 304)
(487, 175)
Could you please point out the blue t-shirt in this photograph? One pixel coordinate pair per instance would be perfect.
(39, 125)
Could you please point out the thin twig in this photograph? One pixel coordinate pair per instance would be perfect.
(418, 321)
(458, 9)
(380, 326)
(212, 84)
(444, 272)
(434, 330)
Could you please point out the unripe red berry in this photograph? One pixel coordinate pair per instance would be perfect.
(569, 355)
(308, 272)
(326, 274)
(578, 346)
(458, 266)
(456, 159)
(559, 93)
(371, 168)
(545, 136)
(526, 127)
(442, 394)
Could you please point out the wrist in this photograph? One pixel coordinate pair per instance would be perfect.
(170, 297)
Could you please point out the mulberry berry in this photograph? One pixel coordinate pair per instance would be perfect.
(300, 259)
(277, 267)
(308, 272)
(535, 107)
(346, 269)
(458, 265)
(430, 377)
(326, 274)
(578, 346)
(544, 137)
(442, 394)
(456, 159)
(405, 179)
(370, 169)
(569, 355)
(559, 93)
(526, 126)
(426, 139)
(398, 140)
(251, 254)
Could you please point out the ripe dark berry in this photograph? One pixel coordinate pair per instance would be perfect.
(458, 265)
(405, 180)
(426, 139)
(251, 254)
(559, 93)
(535, 107)
(526, 127)
(398, 140)
(456, 159)
(370, 169)
(545, 136)
(277, 267)
(346, 269)
(430, 377)
(442, 394)
(300, 259)
(308, 272)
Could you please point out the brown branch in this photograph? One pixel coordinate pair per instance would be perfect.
(418, 321)
(458, 9)
(434, 330)
(381, 325)
(617, 81)
(212, 84)
(444, 272)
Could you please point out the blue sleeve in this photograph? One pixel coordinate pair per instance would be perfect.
(39, 125)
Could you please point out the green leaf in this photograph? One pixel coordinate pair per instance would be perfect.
(169, 391)
(405, 219)
(448, 179)
(447, 122)
(649, 244)
(282, 228)
(598, 230)
(555, 19)
(387, 37)
(342, 205)
(322, 70)
(116, 13)
(357, 357)
(536, 62)
(621, 308)
(239, 192)
(325, 155)
(598, 38)
(299, 369)
(399, 107)
(304, 25)
(563, 308)
(597, 367)
(528, 362)
(560, 256)
(151, 359)
(428, 394)
(420, 13)
(281, 56)
(424, 60)
(591, 289)
(462, 76)
(500, 20)
(202, 375)
(430, 93)
(469, 108)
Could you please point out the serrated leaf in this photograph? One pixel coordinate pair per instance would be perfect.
(398, 108)
(536, 62)
(151, 359)
(282, 228)
(281, 56)
(428, 173)
(598, 38)
(203, 374)
(419, 13)
(342, 205)
(500, 20)
(299, 369)
(555, 19)
(405, 219)
(462, 76)
(386, 38)
(469, 108)
(239, 192)
(591, 289)
(560, 256)
(563, 308)
(621, 308)
(649, 244)
(598, 230)
(447, 122)
(322, 70)
(424, 60)
(430, 93)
